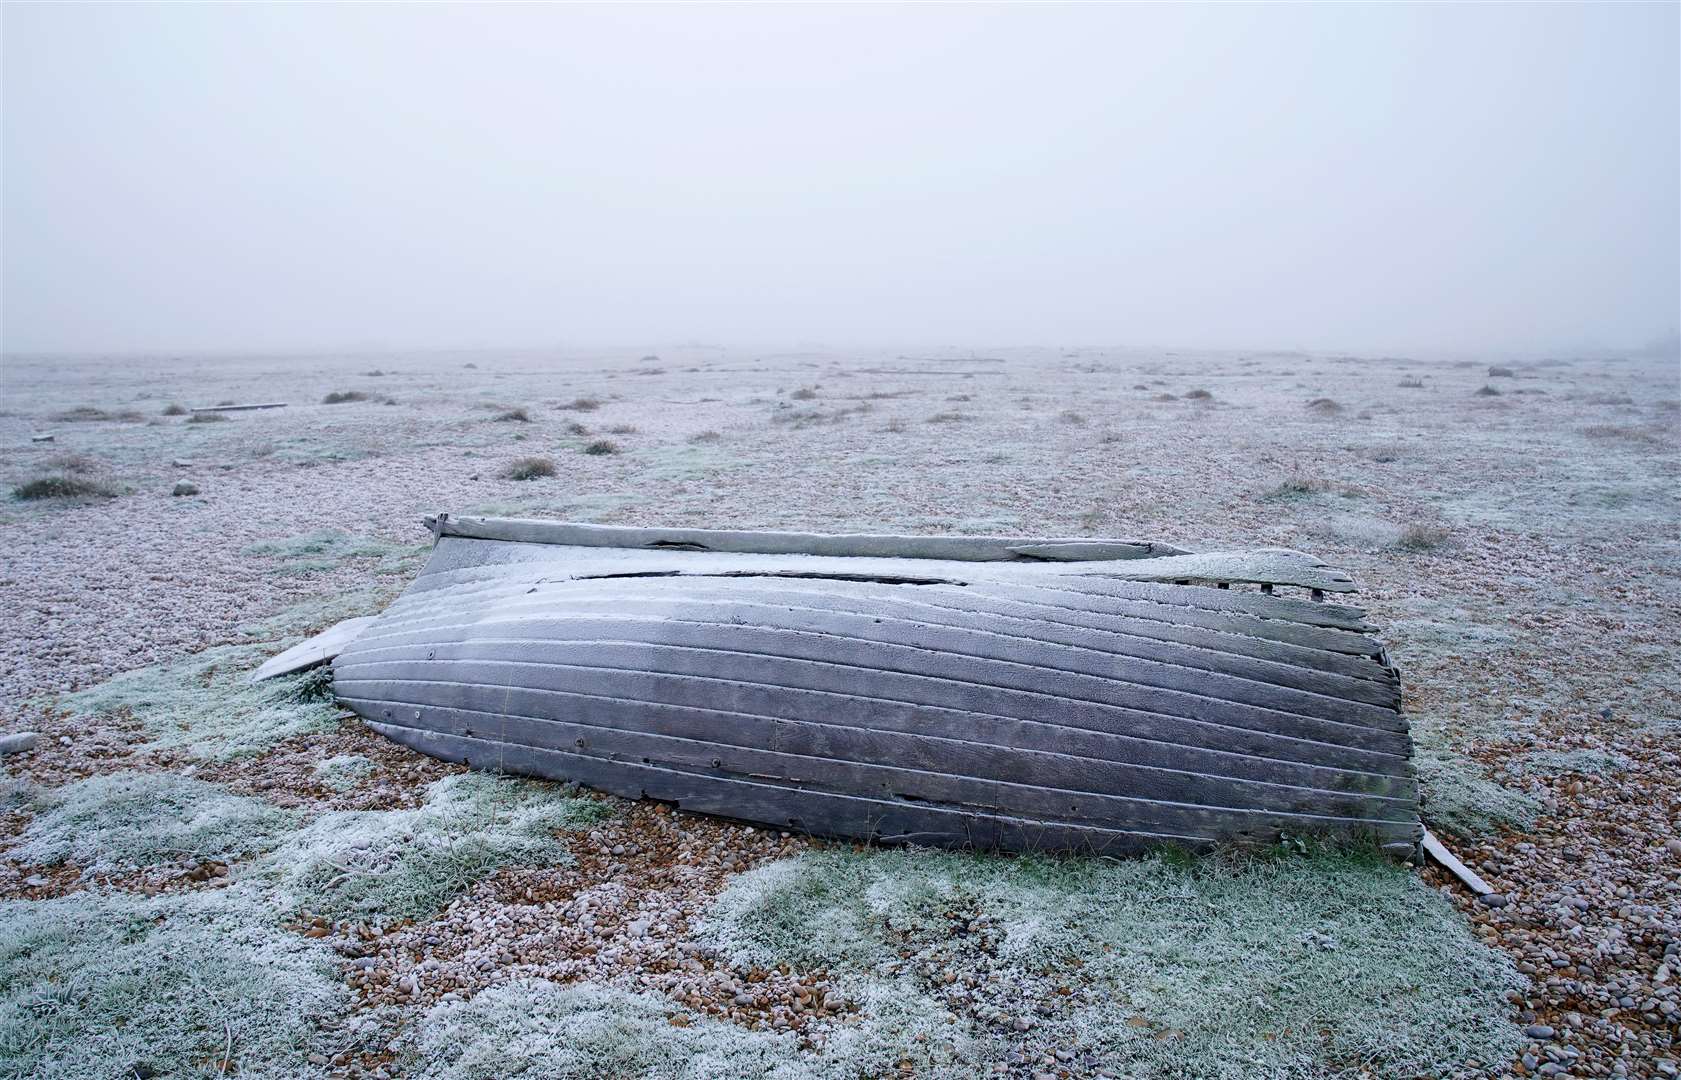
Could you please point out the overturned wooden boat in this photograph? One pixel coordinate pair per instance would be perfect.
(1064, 695)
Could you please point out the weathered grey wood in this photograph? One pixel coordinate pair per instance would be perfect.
(1067, 694)
(1266, 567)
(761, 714)
(965, 548)
(968, 610)
(1040, 797)
(1435, 849)
(240, 408)
(316, 650)
(820, 812)
(1046, 646)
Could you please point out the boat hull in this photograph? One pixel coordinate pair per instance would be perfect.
(1022, 703)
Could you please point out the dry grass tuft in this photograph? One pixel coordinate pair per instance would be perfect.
(1198, 394)
(209, 418)
(948, 418)
(84, 414)
(1411, 384)
(1626, 432)
(1324, 406)
(1487, 391)
(1416, 537)
(517, 414)
(1498, 372)
(1069, 416)
(340, 397)
(1300, 487)
(531, 468)
(62, 486)
(602, 446)
(707, 436)
(582, 404)
(804, 393)
(175, 409)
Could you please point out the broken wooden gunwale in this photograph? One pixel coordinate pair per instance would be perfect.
(1065, 693)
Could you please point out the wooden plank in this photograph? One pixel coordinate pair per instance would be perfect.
(240, 408)
(954, 655)
(817, 812)
(732, 714)
(1434, 848)
(1281, 736)
(1122, 801)
(316, 650)
(959, 548)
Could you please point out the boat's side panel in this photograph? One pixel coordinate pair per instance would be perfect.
(979, 702)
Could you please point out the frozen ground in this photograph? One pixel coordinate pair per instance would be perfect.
(1521, 546)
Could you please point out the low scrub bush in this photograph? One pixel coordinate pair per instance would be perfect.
(62, 486)
(87, 414)
(531, 468)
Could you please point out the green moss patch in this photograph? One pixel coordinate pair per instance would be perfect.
(197, 984)
(131, 821)
(324, 549)
(1311, 966)
(204, 704)
(385, 866)
(531, 1028)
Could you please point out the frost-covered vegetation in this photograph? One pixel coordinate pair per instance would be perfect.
(343, 772)
(1457, 795)
(319, 612)
(1562, 762)
(131, 821)
(322, 548)
(62, 486)
(388, 865)
(97, 986)
(532, 1028)
(1157, 966)
(204, 704)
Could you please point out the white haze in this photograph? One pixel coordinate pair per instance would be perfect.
(277, 177)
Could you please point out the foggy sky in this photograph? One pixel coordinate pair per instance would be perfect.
(289, 177)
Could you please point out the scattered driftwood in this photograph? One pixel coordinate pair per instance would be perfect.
(1434, 848)
(240, 408)
(961, 691)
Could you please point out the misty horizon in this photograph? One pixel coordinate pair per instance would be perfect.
(201, 180)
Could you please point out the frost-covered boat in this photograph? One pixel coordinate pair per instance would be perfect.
(1030, 694)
